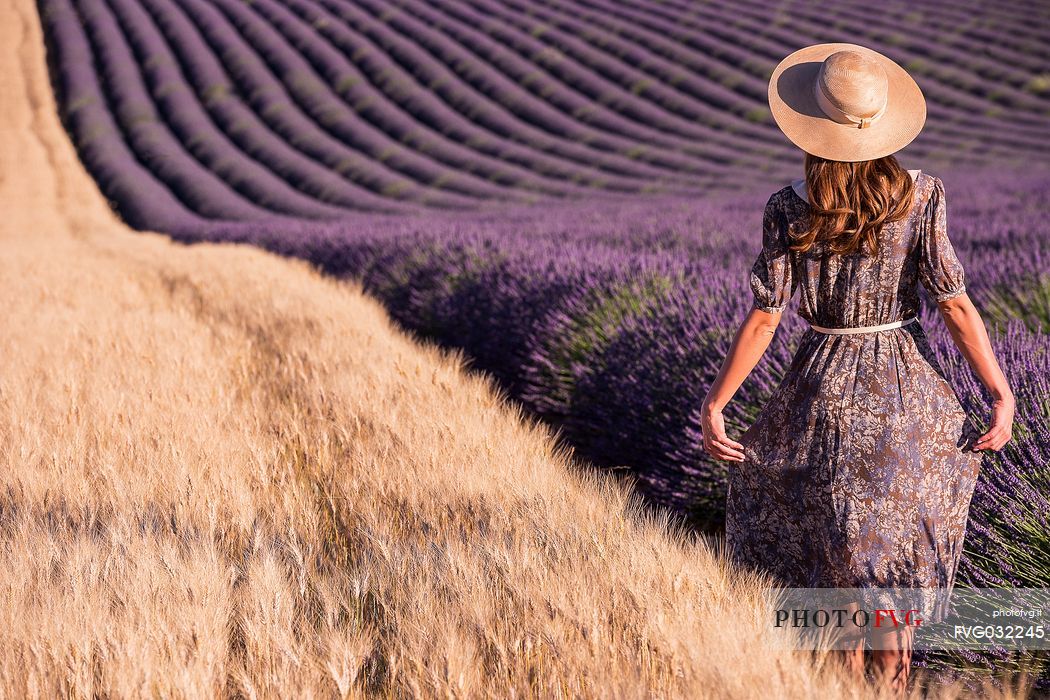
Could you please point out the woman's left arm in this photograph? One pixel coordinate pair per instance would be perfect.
(749, 344)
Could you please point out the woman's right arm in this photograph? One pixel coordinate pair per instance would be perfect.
(967, 328)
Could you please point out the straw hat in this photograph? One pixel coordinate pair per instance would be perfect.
(845, 102)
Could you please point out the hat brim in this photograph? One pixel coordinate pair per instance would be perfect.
(795, 109)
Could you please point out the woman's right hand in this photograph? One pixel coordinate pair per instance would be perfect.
(716, 442)
(1001, 429)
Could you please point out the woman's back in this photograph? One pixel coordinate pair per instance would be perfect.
(859, 290)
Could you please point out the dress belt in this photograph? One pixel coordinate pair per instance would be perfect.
(862, 329)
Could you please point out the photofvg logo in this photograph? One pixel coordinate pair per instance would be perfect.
(937, 618)
(879, 618)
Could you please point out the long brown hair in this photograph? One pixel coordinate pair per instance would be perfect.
(850, 202)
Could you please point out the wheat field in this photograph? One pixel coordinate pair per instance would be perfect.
(225, 475)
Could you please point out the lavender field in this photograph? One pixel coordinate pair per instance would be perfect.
(570, 191)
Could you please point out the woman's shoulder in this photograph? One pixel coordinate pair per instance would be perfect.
(784, 209)
(929, 190)
(785, 206)
(786, 198)
(927, 178)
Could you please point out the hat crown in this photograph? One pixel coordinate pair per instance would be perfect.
(853, 83)
(845, 102)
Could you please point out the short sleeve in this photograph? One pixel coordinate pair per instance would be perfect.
(772, 280)
(940, 271)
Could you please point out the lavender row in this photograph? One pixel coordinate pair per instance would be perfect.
(557, 108)
(256, 84)
(180, 61)
(316, 97)
(609, 81)
(573, 70)
(178, 126)
(504, 105)
(336, 69)
(549, 158)
(500, 178)
(704, 90)
(144, 200)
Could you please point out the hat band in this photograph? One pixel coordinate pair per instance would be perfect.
(838, 115)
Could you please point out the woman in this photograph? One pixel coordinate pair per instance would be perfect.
(858, 473)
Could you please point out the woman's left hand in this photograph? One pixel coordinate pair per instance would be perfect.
(716, 442)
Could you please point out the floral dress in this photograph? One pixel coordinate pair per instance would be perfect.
(859, 470)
